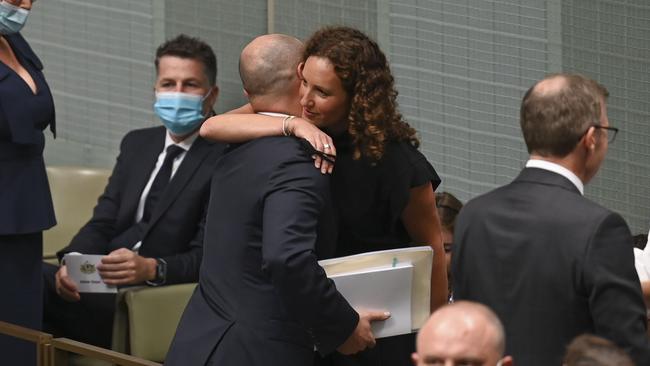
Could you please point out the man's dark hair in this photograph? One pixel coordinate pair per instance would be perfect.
(184, 46)
(553, 120)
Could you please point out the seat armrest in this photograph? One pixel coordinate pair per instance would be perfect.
(153, 314)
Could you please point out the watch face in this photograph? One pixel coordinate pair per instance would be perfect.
(161, 271)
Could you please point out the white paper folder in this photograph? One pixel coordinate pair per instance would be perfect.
(392, 280)
(386, 289)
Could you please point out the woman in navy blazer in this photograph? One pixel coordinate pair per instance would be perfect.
(26, 109)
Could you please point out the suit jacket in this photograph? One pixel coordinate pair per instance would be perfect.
(174, 231)
(552, 265)
(262, 298)
(25, 199)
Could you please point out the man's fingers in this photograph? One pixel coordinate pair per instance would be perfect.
(67, 289)
(113, 267)
(118, 278)
(111, 275)
(121, 251)
(68, 284)
(118, 281)
(377, 315)
(115, 258)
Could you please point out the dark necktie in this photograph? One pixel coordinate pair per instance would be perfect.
(160, 182)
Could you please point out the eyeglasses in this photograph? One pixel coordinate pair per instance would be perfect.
(610, 136)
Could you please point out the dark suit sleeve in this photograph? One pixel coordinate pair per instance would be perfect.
(614, 291)
(184, 267)
(291, 209)
(95, 236)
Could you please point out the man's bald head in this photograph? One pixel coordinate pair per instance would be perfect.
(268, 64)
(463, 331)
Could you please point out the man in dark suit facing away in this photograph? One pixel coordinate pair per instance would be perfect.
(551, 263)
(148, 221)
(262, 298)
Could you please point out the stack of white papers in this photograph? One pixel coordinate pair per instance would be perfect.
(396, 280)
(362, 292)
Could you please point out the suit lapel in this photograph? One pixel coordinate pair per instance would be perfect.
(20, 46)
(192, 161)
(22, 51)
(141, 166)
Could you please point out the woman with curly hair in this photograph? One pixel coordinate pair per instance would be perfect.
(383, 187)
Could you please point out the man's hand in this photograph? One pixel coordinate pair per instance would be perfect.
(362, 336)
(125, 267)
(321, 141)
(65, 287)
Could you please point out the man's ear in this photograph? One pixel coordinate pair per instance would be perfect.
(299, 70)
(246, 93)
(415, 358)
(213, 95)
(507, 361)
(210, 99)
(590, 138)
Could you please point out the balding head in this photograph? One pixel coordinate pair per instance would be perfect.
(463, 331)
(591, 350)
(268, 64)
(557, 111)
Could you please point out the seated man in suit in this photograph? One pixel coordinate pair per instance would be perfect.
(462, 333)
(148, 222)
(551, 263)
(262, 297)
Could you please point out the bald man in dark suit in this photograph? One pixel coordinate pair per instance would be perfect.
(262, 298)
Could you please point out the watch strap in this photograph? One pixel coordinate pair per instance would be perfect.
(161, 273)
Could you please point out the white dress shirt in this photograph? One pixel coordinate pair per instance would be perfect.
(185, 145)
(559, 169)
(642, 261)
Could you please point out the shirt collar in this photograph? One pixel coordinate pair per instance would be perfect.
(185, 144)
(559, 169)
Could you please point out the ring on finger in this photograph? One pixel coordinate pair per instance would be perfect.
(326, 146)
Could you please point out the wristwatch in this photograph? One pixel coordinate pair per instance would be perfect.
(161, 273)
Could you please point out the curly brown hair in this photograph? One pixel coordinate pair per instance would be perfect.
(363, 70)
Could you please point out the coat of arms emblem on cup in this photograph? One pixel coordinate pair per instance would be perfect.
(87, 268)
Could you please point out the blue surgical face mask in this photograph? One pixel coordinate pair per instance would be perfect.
(181, 113)
(12, 18)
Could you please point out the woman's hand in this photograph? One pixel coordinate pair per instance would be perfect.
(321, 141)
